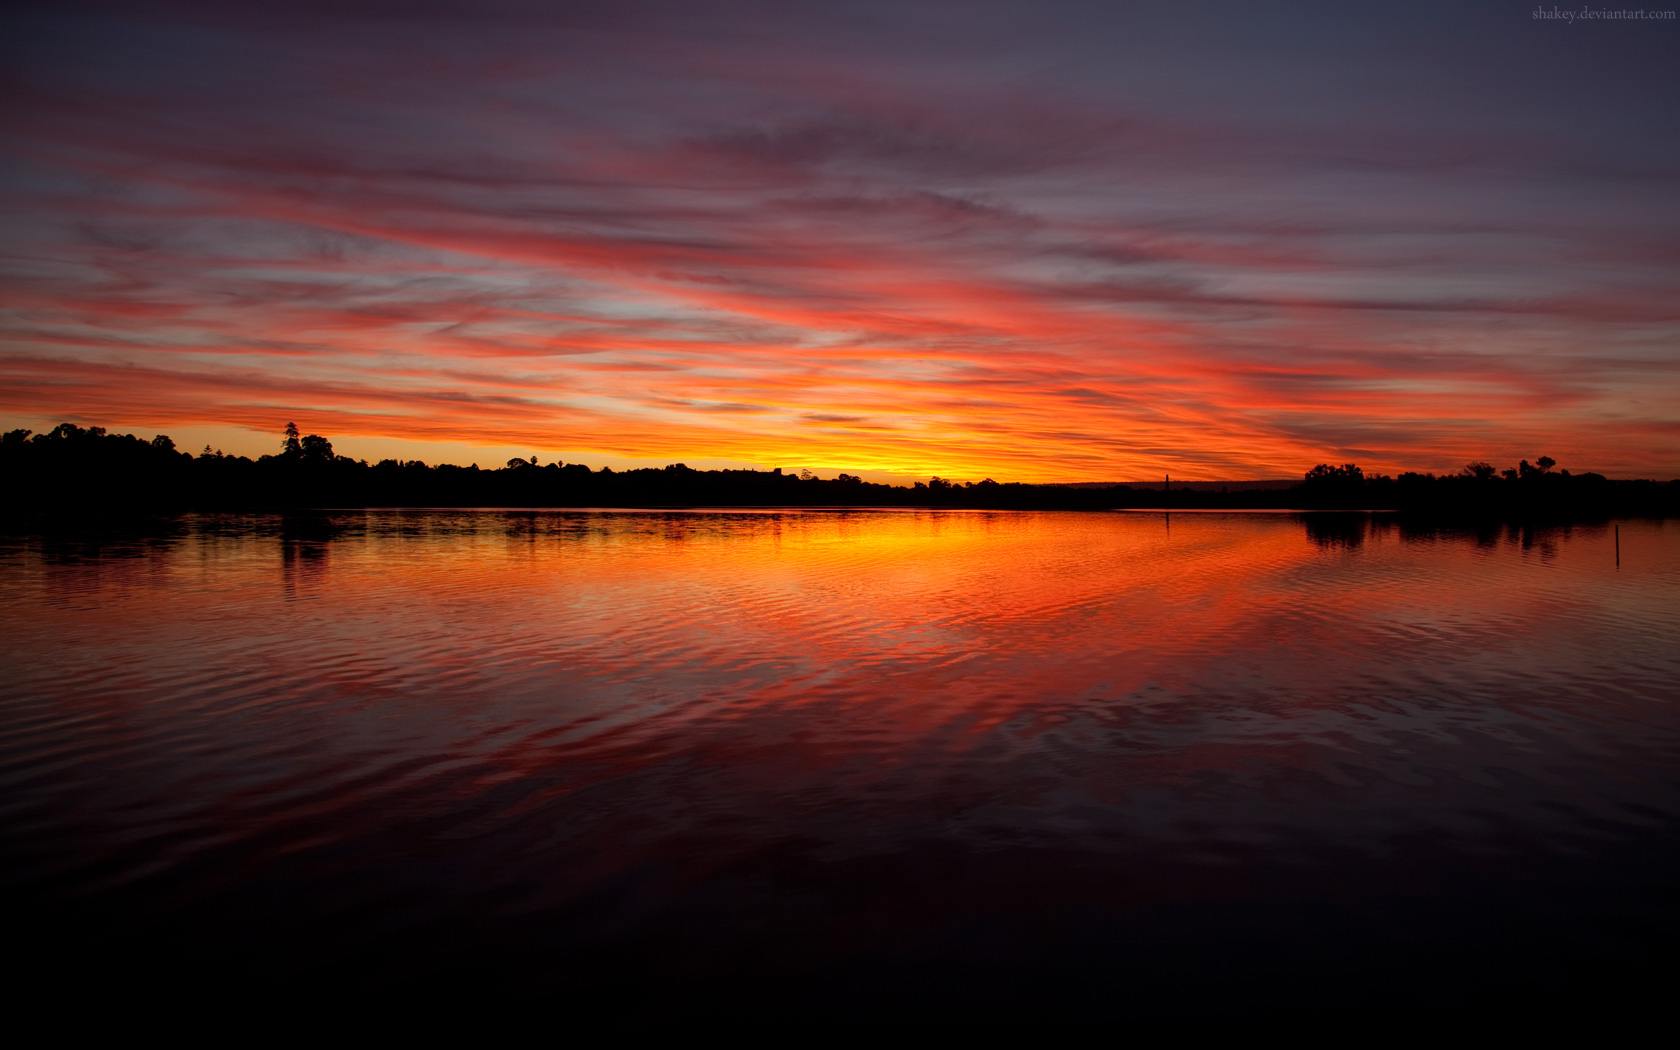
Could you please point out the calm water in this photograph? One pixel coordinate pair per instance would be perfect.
(1053, 764)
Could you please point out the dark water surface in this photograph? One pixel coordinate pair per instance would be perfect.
(1054, 765)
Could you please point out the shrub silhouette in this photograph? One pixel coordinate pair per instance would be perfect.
(91, 472)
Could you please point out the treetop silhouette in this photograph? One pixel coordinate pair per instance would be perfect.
(87, 470)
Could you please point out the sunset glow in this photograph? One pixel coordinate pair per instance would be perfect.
(1089, 243)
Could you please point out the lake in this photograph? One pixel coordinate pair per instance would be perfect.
(846, 764)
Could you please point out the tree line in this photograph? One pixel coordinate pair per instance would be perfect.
(84, 469)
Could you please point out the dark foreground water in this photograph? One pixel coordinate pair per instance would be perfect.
(843, 764)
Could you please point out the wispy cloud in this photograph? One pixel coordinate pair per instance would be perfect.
(772, 235)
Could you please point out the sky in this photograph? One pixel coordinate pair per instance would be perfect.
(1037, 241)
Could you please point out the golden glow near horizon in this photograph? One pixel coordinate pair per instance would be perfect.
(803, 243)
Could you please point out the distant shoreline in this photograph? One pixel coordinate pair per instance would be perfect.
(73, 472)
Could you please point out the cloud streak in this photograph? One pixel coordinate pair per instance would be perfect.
(773, 236)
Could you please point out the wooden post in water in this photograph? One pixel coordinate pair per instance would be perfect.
(1618, 545)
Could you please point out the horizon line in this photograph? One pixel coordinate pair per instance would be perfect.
(902, 480)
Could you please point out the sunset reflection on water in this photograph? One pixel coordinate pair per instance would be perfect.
(868, 757)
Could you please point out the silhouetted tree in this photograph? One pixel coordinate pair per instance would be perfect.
(86, 468)
(1346, 474)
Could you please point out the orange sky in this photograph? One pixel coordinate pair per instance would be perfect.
(960, 245)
